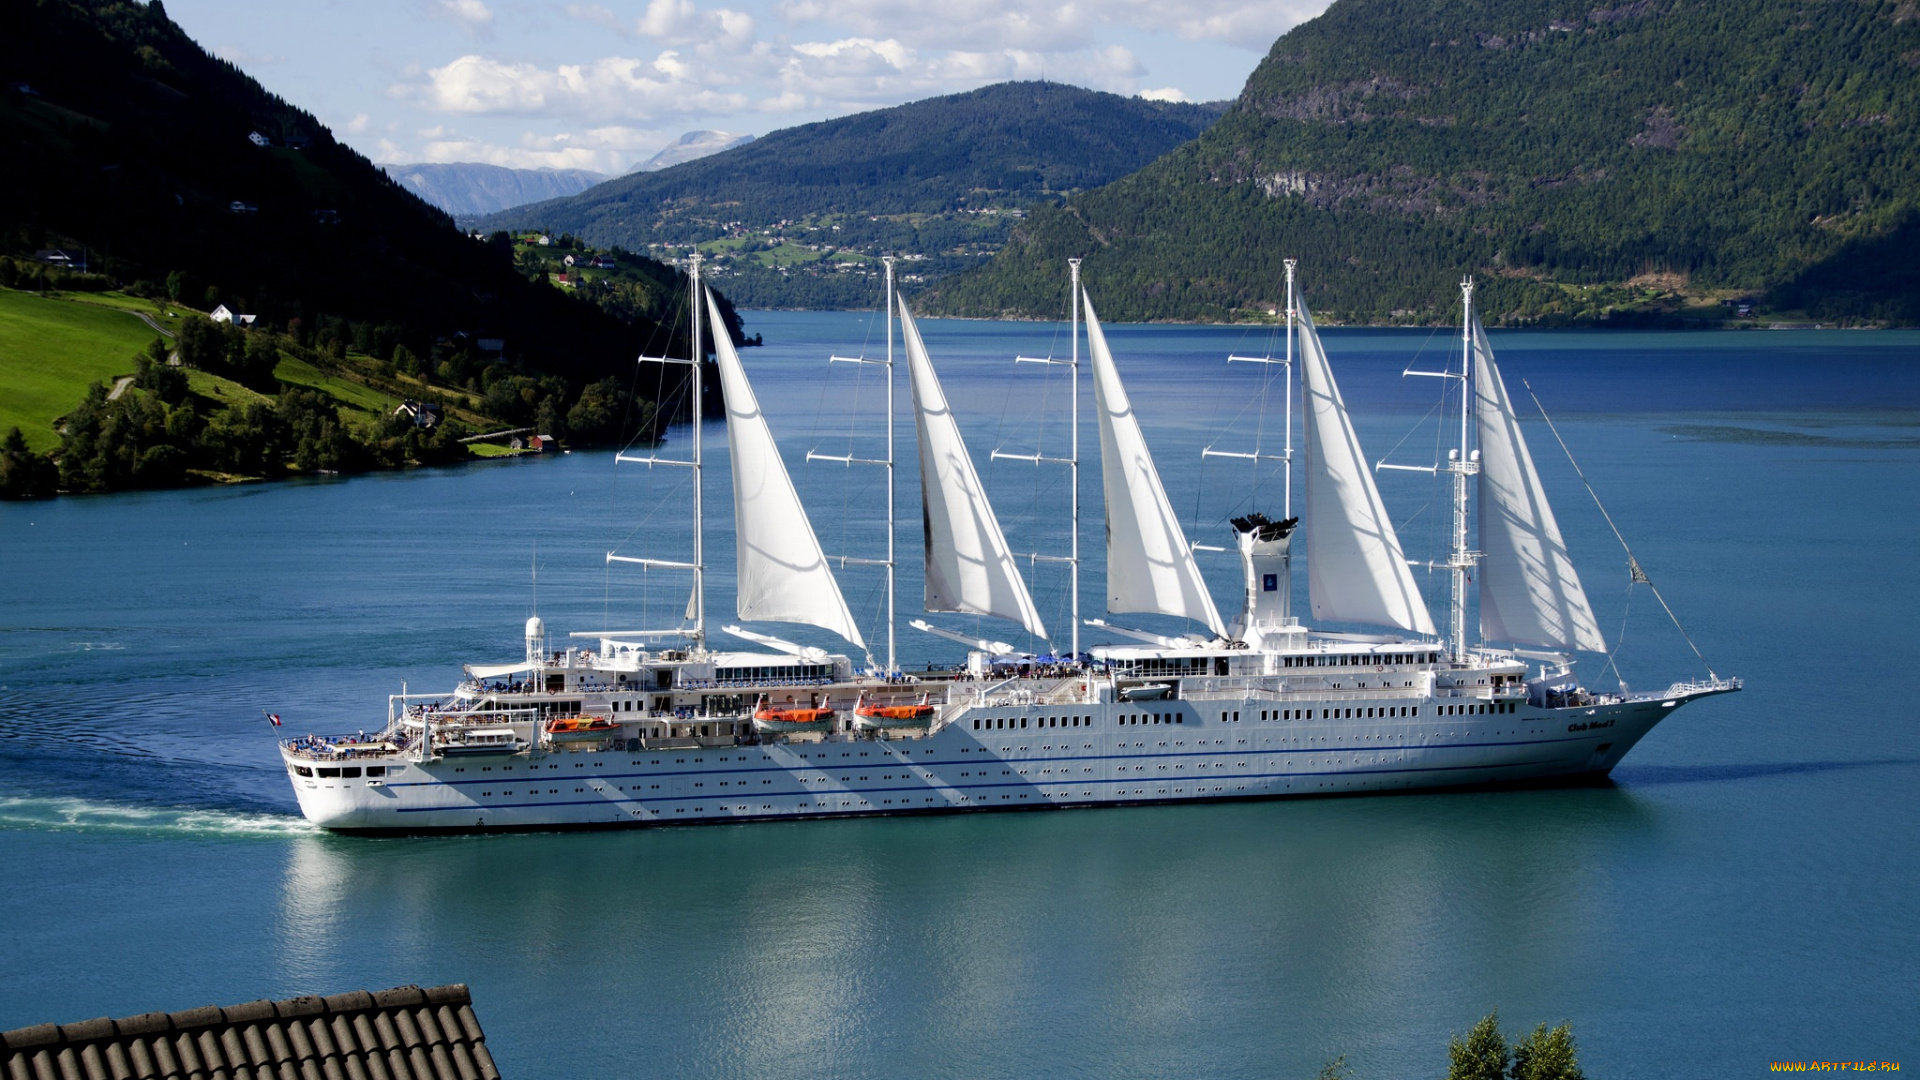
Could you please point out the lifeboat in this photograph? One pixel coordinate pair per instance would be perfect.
(771, 719)
(580, 728)
(869, 714)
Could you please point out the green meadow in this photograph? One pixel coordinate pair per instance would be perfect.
(50, 349)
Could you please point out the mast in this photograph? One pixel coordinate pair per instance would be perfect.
(698, 565)
(1072, 460)
(1287, 451)
(1073, 468)
(1462, 465)
(699, 519)
(847, 459)
(892, 665)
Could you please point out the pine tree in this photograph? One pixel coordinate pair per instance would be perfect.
(1482, 1054)
(1547, 1054)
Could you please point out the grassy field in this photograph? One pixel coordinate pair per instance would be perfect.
(50, 350)
(352, 395)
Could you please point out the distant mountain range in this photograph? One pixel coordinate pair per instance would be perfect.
(1598, 160)
(797, 217)
(468, 189)
(692, 146)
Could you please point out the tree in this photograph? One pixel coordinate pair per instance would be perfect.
(1482, 1055)
(23, 473)
(1547, 1054)
(597, 416)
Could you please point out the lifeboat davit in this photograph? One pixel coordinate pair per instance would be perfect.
(772, 719)
(869, 714)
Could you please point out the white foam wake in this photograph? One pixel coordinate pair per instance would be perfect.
(87, 815)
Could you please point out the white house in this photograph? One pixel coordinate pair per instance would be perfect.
(227, 315)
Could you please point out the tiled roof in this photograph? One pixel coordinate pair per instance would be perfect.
(401, 1034)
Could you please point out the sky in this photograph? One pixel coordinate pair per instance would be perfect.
(603, 84)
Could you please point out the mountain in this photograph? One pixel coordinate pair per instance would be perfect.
(798, 217)
(692, 146)
(1644, 159)
(176, 174)
(468, 189)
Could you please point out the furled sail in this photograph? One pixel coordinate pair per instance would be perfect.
(1529, 592)
(1149, 563)
(969, 567)
(1355, 569)
(783, 575)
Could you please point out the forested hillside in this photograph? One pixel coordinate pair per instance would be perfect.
(797, 217)
(138, 169)
(1649, 159)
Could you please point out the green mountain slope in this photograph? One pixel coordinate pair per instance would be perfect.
(1577, 159)
(123, 140)
(796, 217)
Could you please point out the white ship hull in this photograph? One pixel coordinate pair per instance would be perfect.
(1021, 757)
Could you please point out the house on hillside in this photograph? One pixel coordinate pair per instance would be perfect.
(426, 415)
(225, 314)
(240, 206)
(602, 262)
(56, 257)
(258, 139)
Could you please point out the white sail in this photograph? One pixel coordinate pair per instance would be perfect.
(1529, 592)
(1149, 563)
(1355, 569)
(969, 567)
(783, 575)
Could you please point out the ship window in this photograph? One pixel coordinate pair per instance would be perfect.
(302, 770)
(1023, 721)
(329, 772)
(976, 723)
(352, 772)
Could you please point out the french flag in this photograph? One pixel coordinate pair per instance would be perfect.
(275, 717)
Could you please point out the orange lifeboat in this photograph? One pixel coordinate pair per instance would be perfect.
(579, 728)
(775, 719)
(869, 714)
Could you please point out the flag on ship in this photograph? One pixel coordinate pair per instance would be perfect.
(274, 717)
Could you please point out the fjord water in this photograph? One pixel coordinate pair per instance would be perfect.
(1743, 892)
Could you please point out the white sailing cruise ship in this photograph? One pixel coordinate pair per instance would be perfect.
(649, 727)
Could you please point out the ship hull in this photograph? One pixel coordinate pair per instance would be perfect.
(987, 758)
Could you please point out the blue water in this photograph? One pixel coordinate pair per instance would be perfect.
(1743, 892)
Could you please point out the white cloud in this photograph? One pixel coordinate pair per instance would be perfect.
(611, 88)
(1165, 93)
(358, 124)
(612, 149)
(1067, 25)
(475, 15)
(681, 22)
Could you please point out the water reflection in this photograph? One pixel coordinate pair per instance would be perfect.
(1156, 934)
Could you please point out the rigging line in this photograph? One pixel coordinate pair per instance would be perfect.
(1620, 639)
(1638, 574)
